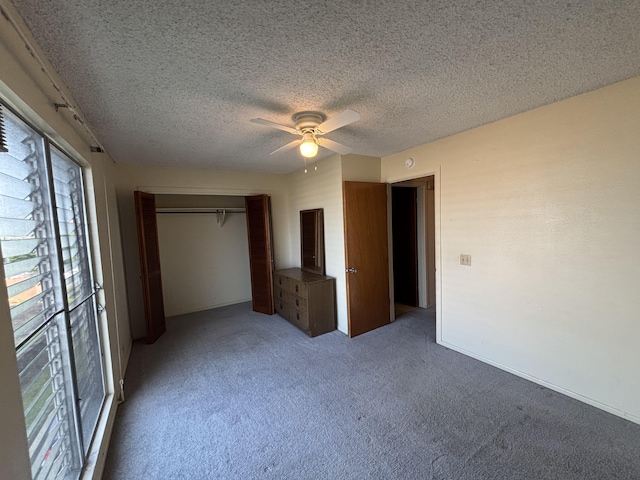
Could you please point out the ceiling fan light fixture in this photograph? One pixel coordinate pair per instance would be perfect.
(311, 125)
(308, 147)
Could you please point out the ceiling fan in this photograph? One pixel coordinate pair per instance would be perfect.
(311, 126)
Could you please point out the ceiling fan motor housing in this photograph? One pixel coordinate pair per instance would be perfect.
(308, 120)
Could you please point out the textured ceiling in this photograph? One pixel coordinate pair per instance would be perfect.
(176, 83)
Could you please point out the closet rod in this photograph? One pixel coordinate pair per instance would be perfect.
(200, 210)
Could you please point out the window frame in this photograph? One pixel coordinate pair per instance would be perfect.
(91, 300)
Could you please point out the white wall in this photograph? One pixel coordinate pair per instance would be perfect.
(203, 264)
(548, 205)
(184, 181)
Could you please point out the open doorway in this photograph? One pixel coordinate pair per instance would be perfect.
(413, 238)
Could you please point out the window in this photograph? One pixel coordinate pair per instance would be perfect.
(52, 297)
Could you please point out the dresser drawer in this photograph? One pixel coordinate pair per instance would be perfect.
(280, 281)
(283, 309)
(300, 318)
(296, 301)
(280, 294)
(299, 288)
(292, 285)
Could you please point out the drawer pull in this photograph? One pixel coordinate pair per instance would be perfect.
(297, 316)
(280, 281)
(280, 293)
(297, 302)
(297, 289)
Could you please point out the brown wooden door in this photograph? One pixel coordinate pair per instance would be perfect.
(150, 264)
(260, 252)
(366, 255)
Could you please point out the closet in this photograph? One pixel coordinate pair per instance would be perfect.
(204, 253)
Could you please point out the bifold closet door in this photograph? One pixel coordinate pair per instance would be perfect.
(150, 264)
(260, 252)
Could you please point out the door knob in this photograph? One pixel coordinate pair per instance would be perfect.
(351, 270)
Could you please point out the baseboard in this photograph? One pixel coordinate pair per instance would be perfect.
(124, 363)
(539, 381)
(124, 359)
(211, 307)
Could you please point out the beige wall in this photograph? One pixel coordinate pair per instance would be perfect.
(548, 205)
(183, 181)
(359, 168)
(204, 265)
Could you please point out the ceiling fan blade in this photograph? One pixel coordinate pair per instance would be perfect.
(340, 120)
(334, 146)
(269, 123)
(288, 146)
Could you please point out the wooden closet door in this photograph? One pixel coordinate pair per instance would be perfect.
(260, 252)
(150, 264)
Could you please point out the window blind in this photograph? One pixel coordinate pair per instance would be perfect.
(48, 277)
(3, 142)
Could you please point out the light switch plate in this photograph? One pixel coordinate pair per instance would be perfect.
(465, 259)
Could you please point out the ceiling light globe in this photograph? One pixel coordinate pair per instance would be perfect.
(308, 148)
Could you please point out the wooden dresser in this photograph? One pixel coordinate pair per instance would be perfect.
(306, 299)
